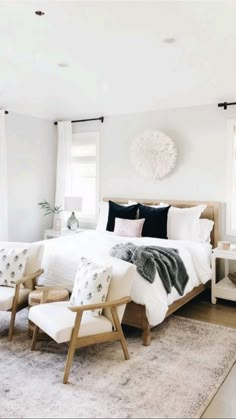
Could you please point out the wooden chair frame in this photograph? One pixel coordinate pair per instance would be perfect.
(80, 342)
(15, 305)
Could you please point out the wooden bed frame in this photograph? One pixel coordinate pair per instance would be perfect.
(135, 314)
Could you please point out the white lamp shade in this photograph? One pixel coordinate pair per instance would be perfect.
(72, 203)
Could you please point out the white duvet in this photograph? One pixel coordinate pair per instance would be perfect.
(61, 258)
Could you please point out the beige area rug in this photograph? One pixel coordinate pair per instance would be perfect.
(175, 377)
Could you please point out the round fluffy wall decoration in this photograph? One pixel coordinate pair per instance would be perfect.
(153, 154)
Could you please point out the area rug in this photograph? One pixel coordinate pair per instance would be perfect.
(175, 377)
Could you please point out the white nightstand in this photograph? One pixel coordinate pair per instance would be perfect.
(53, 234)
(224, 288)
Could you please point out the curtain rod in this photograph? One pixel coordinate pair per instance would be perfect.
(101, 118)
(225, 104)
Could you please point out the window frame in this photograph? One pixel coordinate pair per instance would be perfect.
(230, 181)
(84, 218)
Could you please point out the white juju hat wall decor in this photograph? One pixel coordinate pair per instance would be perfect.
(153, 154)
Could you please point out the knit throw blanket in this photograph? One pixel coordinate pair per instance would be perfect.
(152, 259)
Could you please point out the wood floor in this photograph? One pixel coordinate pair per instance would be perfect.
(223, 313)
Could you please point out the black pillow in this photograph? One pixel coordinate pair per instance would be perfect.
(120, 211)
(155, 224)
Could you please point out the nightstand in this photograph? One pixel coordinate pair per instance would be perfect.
(53, 234)
(224, 288)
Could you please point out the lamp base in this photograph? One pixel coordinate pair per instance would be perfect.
(72, 222)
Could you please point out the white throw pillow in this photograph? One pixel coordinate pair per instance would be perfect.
(12, 266)
(183, 223)
(206, 227)
(91, 284)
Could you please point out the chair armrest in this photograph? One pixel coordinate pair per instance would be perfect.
(107, 304)
(51, 287)
(21, 281)
(34, 275)
(46, 291)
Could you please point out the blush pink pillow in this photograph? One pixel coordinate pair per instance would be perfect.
(128, 228)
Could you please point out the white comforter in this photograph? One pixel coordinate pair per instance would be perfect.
(61, 258)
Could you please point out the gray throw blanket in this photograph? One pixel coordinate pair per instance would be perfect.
(152, 259)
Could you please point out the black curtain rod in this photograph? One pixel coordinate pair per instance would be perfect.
(225, 104)
(101, 118)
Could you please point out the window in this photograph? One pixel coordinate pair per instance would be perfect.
(231, 179)
(85, 172)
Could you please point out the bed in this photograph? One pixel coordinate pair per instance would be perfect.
(150, 304)
(135, 314)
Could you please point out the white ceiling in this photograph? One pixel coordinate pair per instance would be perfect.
(117, 60)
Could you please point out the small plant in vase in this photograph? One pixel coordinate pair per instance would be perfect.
(55, 210)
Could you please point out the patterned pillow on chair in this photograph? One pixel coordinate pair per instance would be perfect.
(12, 266)
(91, 285)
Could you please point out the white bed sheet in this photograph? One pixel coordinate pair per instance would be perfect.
(62, 255)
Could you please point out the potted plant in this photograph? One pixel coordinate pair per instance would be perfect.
(55, 210)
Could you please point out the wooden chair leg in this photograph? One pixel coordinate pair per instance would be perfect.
(13, 311)
(69, 361)
(35, 337)
(147, 336)
(72, 347)
(119, 329)
(12, 324)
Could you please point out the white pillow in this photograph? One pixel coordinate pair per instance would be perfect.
(91, 285)
(34, 255)
(12, 266)
(206, 227)
(183, 223)
(103, 216)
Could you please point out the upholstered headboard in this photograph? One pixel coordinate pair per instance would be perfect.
(212, 211)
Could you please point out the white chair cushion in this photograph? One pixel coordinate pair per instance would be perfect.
(7, 295)
(57, 321)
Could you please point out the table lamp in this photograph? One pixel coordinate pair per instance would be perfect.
(72, 203)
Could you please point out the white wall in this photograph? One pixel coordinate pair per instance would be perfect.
(200, 134)
(201, 137)
(31, 158)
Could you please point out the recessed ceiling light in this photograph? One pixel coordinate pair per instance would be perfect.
(169, 40)
(63, 65)
(39, 13)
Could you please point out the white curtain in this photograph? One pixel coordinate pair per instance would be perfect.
(3, 179)
(64, 154)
